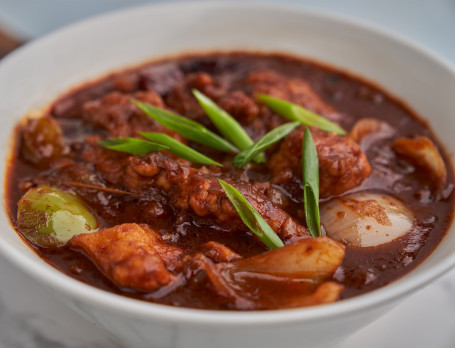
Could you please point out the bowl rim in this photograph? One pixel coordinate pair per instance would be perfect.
(50, 276)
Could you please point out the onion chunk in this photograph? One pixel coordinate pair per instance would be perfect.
(366, 219)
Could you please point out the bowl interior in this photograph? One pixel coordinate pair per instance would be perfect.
(35, 75)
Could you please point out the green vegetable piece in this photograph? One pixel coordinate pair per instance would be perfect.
(294, 112)
(251, 218)
(179, 149)
(310, 170)
(226, 124)
(42, 140)
(131, 145)
(50, 217)
(264, 143)
(188, 128)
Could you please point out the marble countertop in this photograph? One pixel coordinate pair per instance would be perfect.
(31, 317)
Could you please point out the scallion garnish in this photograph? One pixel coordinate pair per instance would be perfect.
(298, 113)
(310, 170)
(250, 217)
(184, 126)
(131, 145)
(264, 143)
(179, 149)
(226, 124)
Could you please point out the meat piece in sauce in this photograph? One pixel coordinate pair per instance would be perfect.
(240, 106)
(110, 164)
(199, 191)
(219, 252)
(181, 99)
(133, 256)
(120, 117)
(342, 164)
(295, 90)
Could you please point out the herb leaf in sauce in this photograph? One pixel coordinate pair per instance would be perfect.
(179, 149)
(294, 112)
(264, 143)
(310, 170)
(251, 218)
(226, 124)
(131, 145)
(188, 128)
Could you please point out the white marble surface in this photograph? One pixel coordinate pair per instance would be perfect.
(31, 317)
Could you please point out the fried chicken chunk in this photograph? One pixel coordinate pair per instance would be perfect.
(295, 90)
(131, 255)
(120, 117)
(342, 164)
(199, 191)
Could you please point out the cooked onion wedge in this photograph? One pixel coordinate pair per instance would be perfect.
(424, 153)
(370, 126)
(312, 258)
(292, 276)
(366, 219)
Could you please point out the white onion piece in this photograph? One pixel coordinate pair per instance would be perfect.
(366, 219)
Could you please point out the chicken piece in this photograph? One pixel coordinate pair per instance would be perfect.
(342, 165)
(181, 99)
(369, 130)
(132, 256)
(120, 117)
(200, 192)
(219, 252)
(294, 90)
(240, 106)
(295, 275)
(110, 164)
(425, 154)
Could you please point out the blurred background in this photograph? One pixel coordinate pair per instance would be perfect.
(428, 22)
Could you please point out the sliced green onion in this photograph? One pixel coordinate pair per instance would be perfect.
(131, 145)
(310, 170)
(251, 218)
(298, 113)
(264, 143)
(188, 128)
(226, 124)
(179, 149)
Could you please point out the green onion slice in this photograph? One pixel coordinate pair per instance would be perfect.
(132, 145)
(251, 218)
(188, 128)
(264, 143)
(298, 113)
(226, 124)
(310, 170)
(179, 149)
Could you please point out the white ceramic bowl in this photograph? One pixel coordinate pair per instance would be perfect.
(36, 74)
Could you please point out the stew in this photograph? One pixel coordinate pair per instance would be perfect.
(152, 220)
